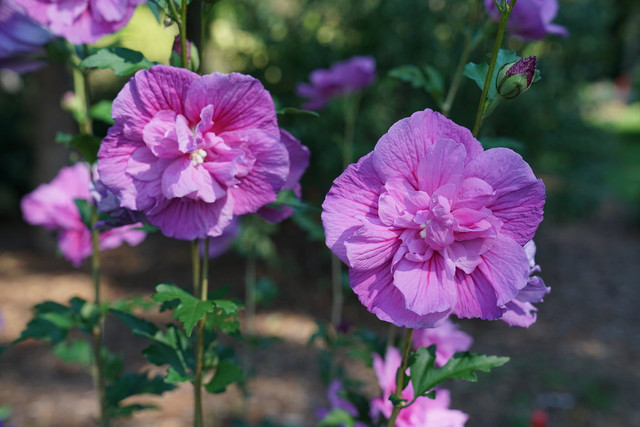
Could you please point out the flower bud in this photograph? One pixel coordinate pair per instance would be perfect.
(516, 77)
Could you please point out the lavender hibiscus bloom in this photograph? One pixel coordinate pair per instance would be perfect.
(21, 39)
(447, 338)
(530, 19)
(191, 151)
(343, 78)
(53, 207)
(81, 21)
(520, 312)
(431, 225)
(424, 411)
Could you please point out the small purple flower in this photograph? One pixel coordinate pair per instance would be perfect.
(21, 39)
(430, 224)
(424, 411)
(447, 338)
(191, 151)
(52, 206)
(520, 311)
(81, 21)
(530, 19)
(343, 78)
(299, 161)
(338, 402)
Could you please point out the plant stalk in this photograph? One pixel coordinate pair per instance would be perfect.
(201, 292)
(480, 115)
(183, 34)
(96, 332)
(406, 349)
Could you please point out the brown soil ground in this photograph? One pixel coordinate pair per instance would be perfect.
(580, 362)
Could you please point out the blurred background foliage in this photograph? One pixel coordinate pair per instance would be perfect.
(579, 127)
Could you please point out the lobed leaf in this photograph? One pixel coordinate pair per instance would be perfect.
(121, 60)
(462, 366)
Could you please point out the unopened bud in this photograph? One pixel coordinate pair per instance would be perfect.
(516, 77)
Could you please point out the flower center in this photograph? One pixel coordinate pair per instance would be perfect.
(197, 156)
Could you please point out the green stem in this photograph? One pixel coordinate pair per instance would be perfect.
(203, 38)
(470, 43)
(249, 318)
(406, 349)
(96, 332)
(201, 291)
(183, 34)
(83, 93)
(480, 115)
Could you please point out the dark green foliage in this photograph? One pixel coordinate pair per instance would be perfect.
(122, 61)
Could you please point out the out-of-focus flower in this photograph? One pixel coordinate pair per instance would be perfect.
(21, 39)
(430, 224)
(447, 338)
(424, 411)
(298, 161)
(530, 19)
(516, 77)
(343, 78)
(191, 151)
(520, 312)
(81, 21)
(338, 402)
(53, 207)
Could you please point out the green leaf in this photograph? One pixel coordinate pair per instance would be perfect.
(435, 81)
(135, 383)
(297, 111)
(462, 366)
(128, 304)
(158, 8)
(102, 111)
(410, 74)
(77, 351)
(51, 322)
(84, 208)
(122, 61)
(139, 326)
(84, 144)
(174, 376)
(227, 373)
(189, 311)
(337, 417)
(224, 316)
(172, 348)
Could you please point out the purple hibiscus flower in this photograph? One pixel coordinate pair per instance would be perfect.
(343, 78)
(338, 402)
(299, 161)
(21, 39)
(530, 19)
(447, 338)
(81, 21)
(52, 206)
(520, 312)
(430, 224)
(191, 151)
(424, 411)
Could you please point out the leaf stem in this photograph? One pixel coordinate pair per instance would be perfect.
(504, 17)
(400, 376)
